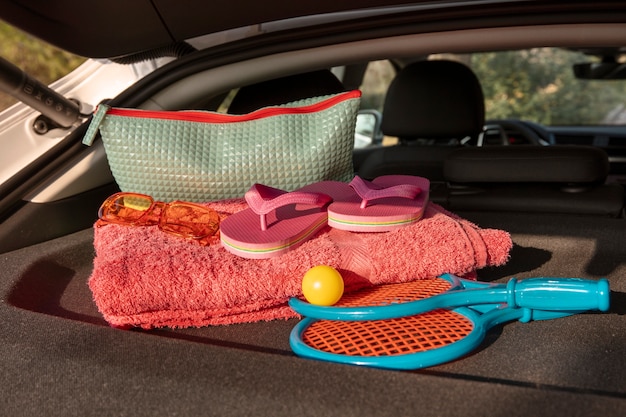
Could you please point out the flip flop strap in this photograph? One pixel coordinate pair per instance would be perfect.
(263, 199)
(369, 191)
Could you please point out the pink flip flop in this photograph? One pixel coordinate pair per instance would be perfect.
(278, 221)
(386, 203)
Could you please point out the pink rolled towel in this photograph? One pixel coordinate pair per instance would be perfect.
(143, 277)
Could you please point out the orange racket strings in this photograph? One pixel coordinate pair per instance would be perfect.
(394, 293)
(401, 336)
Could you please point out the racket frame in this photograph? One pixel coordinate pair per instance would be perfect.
(489, 317)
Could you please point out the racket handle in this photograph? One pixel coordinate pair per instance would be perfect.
(559, 294)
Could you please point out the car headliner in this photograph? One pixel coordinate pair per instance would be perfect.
(119, 28)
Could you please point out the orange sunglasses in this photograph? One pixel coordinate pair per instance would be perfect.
(180, 218)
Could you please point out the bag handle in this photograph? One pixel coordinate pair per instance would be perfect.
(94, 125)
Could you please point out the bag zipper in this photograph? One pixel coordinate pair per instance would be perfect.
(209, 117)
(201, 116)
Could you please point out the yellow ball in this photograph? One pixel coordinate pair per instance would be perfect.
(322, 285)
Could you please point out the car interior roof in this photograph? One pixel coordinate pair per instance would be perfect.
(80, 28)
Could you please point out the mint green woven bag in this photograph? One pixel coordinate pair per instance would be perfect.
(204, 156)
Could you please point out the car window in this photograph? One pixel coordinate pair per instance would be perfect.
(374, 85)
(539, 85)
(376, 80)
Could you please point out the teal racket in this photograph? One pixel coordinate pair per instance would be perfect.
(434, 333)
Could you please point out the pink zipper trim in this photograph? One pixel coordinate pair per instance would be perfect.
(200, 116)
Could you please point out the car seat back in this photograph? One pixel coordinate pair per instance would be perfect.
(285, 90)
(431, 106)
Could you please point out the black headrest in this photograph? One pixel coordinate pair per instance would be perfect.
(285, 90)
(434, 99)
(529, 164)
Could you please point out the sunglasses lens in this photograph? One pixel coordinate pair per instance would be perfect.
(125, 208)
(189, 220)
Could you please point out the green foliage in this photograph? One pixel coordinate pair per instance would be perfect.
(539, 85)
(39, 59)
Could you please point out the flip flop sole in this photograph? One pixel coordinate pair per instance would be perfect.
(267, 246)
(381, 215)
(288, 226)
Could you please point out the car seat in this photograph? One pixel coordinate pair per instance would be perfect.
(284, 90)
(431, 106)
